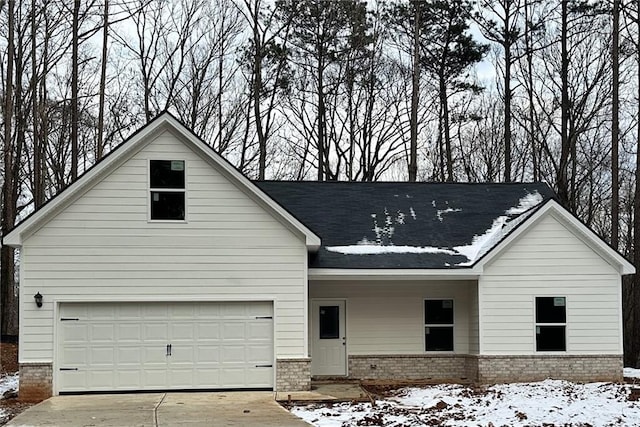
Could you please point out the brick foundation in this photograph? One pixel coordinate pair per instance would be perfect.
(588, 368)
(293, 374)
(36, 380)
(451, 367)
(487, 369)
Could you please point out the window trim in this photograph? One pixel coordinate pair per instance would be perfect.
(167, 190)
(427, 325)
(536, 324)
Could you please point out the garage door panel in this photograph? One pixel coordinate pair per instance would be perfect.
(208, 330)
(154, 378)
(105, 378)
(181, 332)
(124, 346)
(102, 356)
(259, 353)
(232, 354)
(154, 354)
(130, 312)
(233, 331)
(261, 376)
(207, 354)
(102, 312)
(155, 312)
(74, 380)
(154, 332)
(128, 356)
(74, 356)
(75, 333)
(128, 378)
(102, 333)
(182, 311)
(260, 330)
(129, 332)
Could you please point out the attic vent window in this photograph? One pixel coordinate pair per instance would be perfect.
(167, 189)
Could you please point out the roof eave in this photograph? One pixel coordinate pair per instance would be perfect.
(471, 273)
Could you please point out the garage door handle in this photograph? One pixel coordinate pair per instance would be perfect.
(264, 366)
(168, 349)
(68, 369)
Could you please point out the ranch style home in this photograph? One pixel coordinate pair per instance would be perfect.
(164, 268)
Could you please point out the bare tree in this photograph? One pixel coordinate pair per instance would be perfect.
(8, 300)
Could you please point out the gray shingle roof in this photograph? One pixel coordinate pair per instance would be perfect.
(416, 225)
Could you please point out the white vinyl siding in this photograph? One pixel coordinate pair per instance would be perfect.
(549, 260)
(474, 327)
(103, 248)
(386, 317)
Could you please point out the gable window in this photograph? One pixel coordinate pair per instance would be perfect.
(551, 323)
(167, 189)
(438, 324)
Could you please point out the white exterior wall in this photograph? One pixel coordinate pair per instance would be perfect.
(549, 260)
(103, 248)
(474, 324)
(386, 317)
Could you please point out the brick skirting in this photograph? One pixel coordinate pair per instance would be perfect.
(587, 368)
(451, 367)
(36, 380)
(293, 374)
(487, 369)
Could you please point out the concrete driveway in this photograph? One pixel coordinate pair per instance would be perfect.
(160, 409)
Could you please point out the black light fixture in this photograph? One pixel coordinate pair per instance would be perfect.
(38, 299)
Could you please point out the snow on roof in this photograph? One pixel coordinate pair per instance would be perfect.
(500, 228)
(480, 244)
(373, 249)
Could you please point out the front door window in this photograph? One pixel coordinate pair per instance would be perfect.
(329, 322)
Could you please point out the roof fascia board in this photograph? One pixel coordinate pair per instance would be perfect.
(581, 231)
(311, 239)
(395, 274)
(84, 183)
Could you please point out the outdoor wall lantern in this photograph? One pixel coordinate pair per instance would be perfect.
(38, 299)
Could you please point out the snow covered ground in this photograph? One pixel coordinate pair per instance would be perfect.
(7, 382)
(631, 373)
(545, 403)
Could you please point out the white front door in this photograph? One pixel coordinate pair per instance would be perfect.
(329, 345)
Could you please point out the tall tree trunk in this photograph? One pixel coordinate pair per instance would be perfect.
(38, 182)
(8, 300)
(444, 108)
(507, 93)
(103, 81)
(415, 91)
(321, 117)
(632, 350)
(562, 181)
(74, 91)
(529, 77)
(615, 190)
(257, 91)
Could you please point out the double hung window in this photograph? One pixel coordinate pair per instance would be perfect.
(167, 190)
(551, 323)
(438, 324)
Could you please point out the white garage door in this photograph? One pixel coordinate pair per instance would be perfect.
(158, 346)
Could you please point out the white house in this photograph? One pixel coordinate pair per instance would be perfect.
(162, 268)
